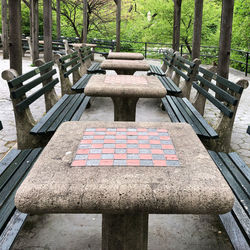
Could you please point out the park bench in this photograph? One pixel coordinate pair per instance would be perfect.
(77, 63)
(237, 174)
(13, 169)
(104, 45)
(40, 81)
(182, 110)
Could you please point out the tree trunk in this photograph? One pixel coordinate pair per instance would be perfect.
(34, 30)
(177, 23)
(15, 35)
(4, 37)
(118, 25)
(47, 30)
(85, 21)
(225, 37)
(58, 19)
(197, 29)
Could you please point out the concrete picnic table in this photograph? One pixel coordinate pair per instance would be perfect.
(125, 67)
(125, 56)
(125, 91)
(125, 171)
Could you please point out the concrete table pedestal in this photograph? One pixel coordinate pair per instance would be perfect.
(125, 91)
(125, 231)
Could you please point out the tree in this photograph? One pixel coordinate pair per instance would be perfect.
(85, 20)
(225, 37)
(177, 23)
(197, 29)
(118, 25)
(5, 30)
(58, 18)
(34, 30)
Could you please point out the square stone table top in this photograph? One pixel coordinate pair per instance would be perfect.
(125, 85)
(113, 64)
(79, 45)
(56, 184)
(125, 56)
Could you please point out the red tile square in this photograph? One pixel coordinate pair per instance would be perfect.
(145, 156)
(144, 145)
(171, 157)
(109, 141)
(156, 151)
(121, 146)
(78, 163)
(165, 137)
(106, 162)
(132, 141)
(100, 129)
(82, 151)
(152, 133)
(89, 133)
(142, 129)
(155, 142)
(133, 162)
(132, 150)
(120, 156)
(162, 130)
(121, 129)
(86, 141)
(97, 146)
(142, 137)
(94, 156)
(131, 133)
(167, 146)
(159, 163)
(108, 150)
(110, 133)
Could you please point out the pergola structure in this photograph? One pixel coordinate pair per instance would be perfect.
(15, 42)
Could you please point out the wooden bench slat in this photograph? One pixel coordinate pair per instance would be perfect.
(25, 88)
(10, 232)
(169, 84)
(66, 57)
(25, 103)
(186, 77)
(228, 84)
(50, 118)
(29, 74)
(78, 114)
(227, 97)
(183, 66)
(67, 112)
(217, 103)
(170, 111)
(66, 74)
(204, 123)
(184, 60)
(69, 63)
(5, 162)
(81, 84)
(49, 114)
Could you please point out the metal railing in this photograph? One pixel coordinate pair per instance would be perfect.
(238, 58)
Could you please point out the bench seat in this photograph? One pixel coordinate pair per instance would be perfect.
(237, 174)
(95, 69)
(13, 169)
(155, 70)
(181, 110)
(80, 85)
(169, 85)
(68, 108)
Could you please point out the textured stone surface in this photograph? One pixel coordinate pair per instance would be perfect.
(53, 186)
(125, 56)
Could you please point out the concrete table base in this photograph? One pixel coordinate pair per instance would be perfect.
(125, 72)
(121, 107)
(124, 231)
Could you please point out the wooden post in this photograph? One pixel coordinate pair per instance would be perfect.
(58, 19)
(177, 23)
(4, 37)
(85, 21)
(197, 29)
(34, 30)
(225, 37)
(15, 35)
(118, 25)
(47, 30)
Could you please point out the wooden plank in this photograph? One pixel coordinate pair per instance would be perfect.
(234, 87)
(81, 108)
(226, 96)
(49, 120)
(228, 112)
(184, 60)
(204, 123)
(74, 68)
(8, 158)
(66, 57)
(12, 229)
(182, 74)
(25, 103)
(71, 62)
(169, 110)
(183, 66)
(81, 84)
(175, 109)
(28, 75)
(25, 88)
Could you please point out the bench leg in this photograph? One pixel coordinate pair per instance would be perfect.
(124, 231)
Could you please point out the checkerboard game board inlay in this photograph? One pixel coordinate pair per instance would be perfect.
(140, 147)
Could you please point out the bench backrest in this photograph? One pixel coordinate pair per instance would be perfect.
(20, 85)
(168, 62)
(104, 44)
(224, 99)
